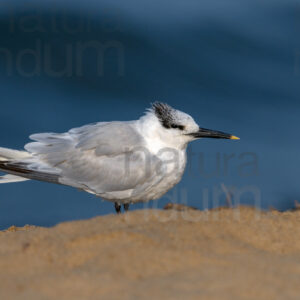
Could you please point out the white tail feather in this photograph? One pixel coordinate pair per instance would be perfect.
(11, 178)
(6, 154)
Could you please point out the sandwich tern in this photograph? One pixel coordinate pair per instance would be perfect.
(122, 162)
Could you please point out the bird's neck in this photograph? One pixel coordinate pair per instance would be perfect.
(156, 137)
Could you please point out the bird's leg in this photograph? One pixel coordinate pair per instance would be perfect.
(126, 206)
(117, 208)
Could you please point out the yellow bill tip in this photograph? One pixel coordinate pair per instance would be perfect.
(233, 137)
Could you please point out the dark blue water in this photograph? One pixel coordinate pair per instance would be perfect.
(234, 66)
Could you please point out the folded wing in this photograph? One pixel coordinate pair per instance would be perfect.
(107, 159)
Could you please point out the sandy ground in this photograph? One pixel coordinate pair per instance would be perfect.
(221, 254)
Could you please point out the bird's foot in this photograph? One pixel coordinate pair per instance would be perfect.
(126, 207)
(117, 208)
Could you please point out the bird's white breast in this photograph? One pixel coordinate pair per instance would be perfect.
(170, 171)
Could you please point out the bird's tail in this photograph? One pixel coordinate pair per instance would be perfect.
(8, 178)
(7, 155)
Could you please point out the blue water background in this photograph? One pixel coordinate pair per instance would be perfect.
(234, 66)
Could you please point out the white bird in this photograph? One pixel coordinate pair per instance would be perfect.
(122, 162)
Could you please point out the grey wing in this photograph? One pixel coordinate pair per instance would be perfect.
(107, 159)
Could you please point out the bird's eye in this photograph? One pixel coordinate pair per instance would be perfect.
(180, 127)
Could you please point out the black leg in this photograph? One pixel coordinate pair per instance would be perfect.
(126, 206)
(117, 208)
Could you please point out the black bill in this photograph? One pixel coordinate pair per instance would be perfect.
(214, 134)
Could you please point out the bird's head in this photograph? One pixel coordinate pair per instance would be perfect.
(181, 127)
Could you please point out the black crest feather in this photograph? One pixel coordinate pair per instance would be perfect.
(165, 113)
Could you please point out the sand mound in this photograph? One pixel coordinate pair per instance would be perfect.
(152, 254)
